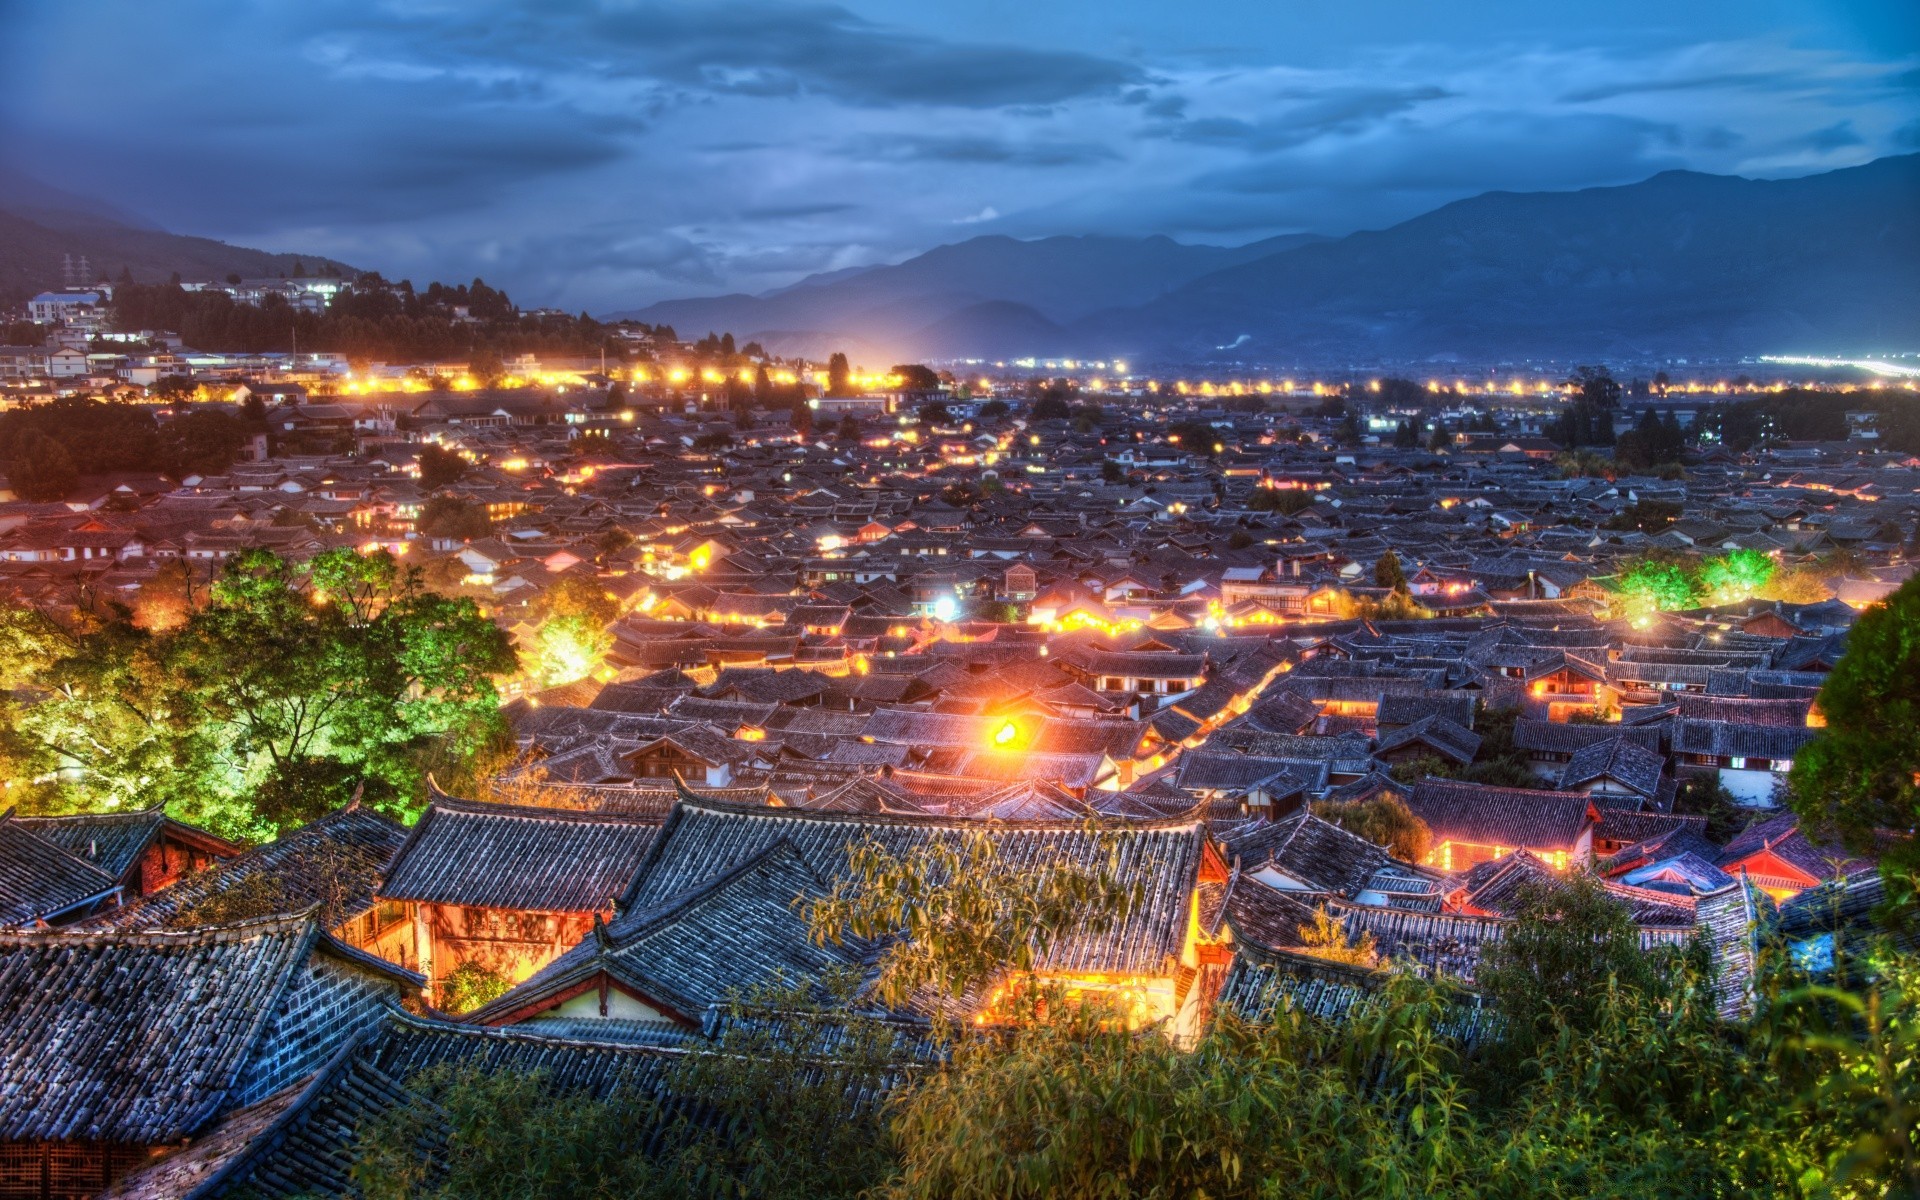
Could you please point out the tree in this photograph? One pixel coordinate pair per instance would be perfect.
(1405, 436)
(839, 375)
(455, 519)
(1440, 441)
(1384, 820)
(1285, 501)
(1736, 575)
(440, 467)
(203, 442)
(42, 470)
(1569, 946)
(954, 914)
(487, 367)
(1387, 572)
(994, 410)
(1650, 585)
(917, 378)
(1112, 472)
(1051, 406)
(934, 413)
(848, 429)
(1859, 778)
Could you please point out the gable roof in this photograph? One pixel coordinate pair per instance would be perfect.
(1521, 818)
(509, 856)
(40, 880)
(137, 1037)
(706, 838)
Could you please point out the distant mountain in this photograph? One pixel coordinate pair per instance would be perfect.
(1681, 264)
(953, 299)
(40, 225)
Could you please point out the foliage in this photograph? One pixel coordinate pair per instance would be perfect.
(42, 471)
(97, 435)
(1588, 420)
(1325, 937)
(371, 319)
(202, 442)
(1395, 606)
(839, 375)
(1648, 585)
(568, 647)
(1052, 406)
(1647, 516)
(334, 877)
(1388, 574)
(1285, 501)
(1653, 442)
(1194, 436)
(470, 985)
(959, 915)
(1704, 796)
(272, 701)
(1583, 464)
(440, 467)
(1384, 820)
(454, 518)
(1860, 776)
(1571, 944)
(993, 410)
(1736, 575)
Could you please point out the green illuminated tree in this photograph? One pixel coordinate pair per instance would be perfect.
(1387, 572)
(1860, 777)
(1737, 575)
(1654, 585)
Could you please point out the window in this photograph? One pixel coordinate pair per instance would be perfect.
(1737, 763)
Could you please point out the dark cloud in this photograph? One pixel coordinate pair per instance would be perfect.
(936, 148)
(1305, 117)
(763, 49)
(1907, 137)
(789, 212)
(1692, 83)
(1837, 136)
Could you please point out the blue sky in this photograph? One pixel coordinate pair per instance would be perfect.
(601, 154)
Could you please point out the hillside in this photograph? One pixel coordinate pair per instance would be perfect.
(1681, 264)
(39, 225)
(931, 305)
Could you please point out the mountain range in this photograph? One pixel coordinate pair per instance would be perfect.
(1682, 264)
(40, 226)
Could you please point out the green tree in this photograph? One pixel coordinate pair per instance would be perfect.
(1384, 820)
(1388, 574)
(440, 467)
(1859, 778)
(452, 517)
(42, 470)
(1736, 575)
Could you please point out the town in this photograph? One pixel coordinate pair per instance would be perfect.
(595, 709)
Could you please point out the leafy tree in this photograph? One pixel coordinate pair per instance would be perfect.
(934, 413)
(1650, 585)
(1440, 442)
(1388, 574)
(1859, 777)
(1051, 406)
(849, 429)
(470, 985)
(42, 470)
(452, 517)
(1285, 501)
(1193, 436)
(955, 914)
(839, 375)
(917, 378)
(1325, 937)
(1648, 516)
(1736, 575)
(994, 410)
(1384, 820)
(1112, 472)
(203, 442)
(440, 467)
(1570, 945)
(1405, 436)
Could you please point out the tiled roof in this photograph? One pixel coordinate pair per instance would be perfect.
(1500, 816)
(39, 879)
(527, 859)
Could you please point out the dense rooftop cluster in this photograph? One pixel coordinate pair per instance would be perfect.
(1287, 675)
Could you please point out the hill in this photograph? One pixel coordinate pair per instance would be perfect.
(921, 307)
(1682, 264)
(39, 225)
(1679, 265)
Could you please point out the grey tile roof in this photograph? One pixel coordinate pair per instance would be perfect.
(512, 857)
(39, 879)
(704, 839)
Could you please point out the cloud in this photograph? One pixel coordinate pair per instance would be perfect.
(1306, 114)
(1836, 136)
(989, 213)
(979, 150)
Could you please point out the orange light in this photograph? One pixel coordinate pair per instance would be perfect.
(1005, 734)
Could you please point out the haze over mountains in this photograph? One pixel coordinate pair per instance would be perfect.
(40, 225)
(1680, 265)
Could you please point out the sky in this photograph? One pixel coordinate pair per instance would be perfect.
(603, 154)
